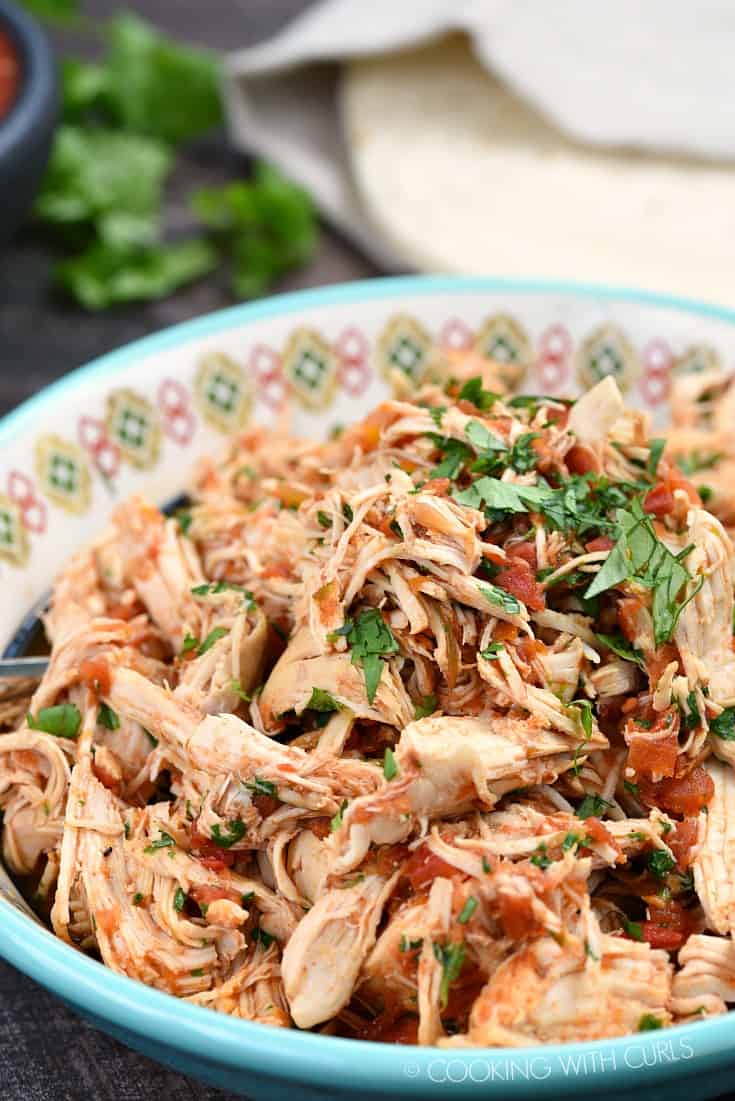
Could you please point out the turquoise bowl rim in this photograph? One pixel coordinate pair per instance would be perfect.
(220, 1041)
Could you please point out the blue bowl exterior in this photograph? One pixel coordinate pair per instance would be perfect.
(26, 132)
(689, 1062)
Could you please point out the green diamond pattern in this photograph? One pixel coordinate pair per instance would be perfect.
(132, 428)
(501, 350)
(63, 474)
(7, 528)
(311, 368)
(223, 392)
(606, 361)
(406, 355)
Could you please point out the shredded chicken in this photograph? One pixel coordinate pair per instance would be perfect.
(424, 734)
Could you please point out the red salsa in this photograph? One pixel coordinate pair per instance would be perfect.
(9, 73)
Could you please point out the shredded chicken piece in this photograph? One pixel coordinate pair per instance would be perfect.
(423, 733)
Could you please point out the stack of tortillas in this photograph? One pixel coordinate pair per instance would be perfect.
(431, 160)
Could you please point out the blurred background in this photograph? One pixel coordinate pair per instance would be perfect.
(187, 156)
(44, 331)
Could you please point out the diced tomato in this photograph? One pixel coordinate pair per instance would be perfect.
(630, 609)
(597, 831)
(208, 853)
(659, 501)
(424, 866)
(658, 936)
(601, 543)
(682, 841)
(204, 894)
(582, 460)
(390, 857)
(519, 580)
(655, 750)
(685, 795)
(506, 632)
(95, 673)
(276, 569)
(526, 551)
(517, 916)
(530, 648)
(657, 662)
(265, 804)
(558, 416)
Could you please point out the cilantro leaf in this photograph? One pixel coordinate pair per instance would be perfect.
(451, 957)
(235, 832)
(622, 648)
(500, 597)
(467, 910)
(390, 766)
(660, 863)
(63, 720)
(158, 86)
(724, 725)
(262, 787)
(456, 454)
(657, 448)
(474, 392)
(163, 841)
(427, 706)
(265, 226)
(370, 638)
(482, 439)
(633, 929)
(649, 1022)
(107, 717)
(320, 700)
(490, 653)
(522, 456)
(106, 275)
(592, 806)
(214, 636)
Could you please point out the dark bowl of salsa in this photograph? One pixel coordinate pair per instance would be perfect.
(28, 110)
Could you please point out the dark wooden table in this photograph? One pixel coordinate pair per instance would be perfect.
(46, 1052)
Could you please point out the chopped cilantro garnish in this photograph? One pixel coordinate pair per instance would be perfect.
(371, 638)
(571, 841)
(467, 910)
(436, 412)
(184, 519)
(631, 788)
(63, 720)
(324, 520)
(724, 725)
(348, 513)
(641, 555)
(261, 787)
(266, 939)
(592, 806)
(137, 898)
(657, 448)
(390, 767)
(660, 863)
(649, 1022)
(541, 858)
(522, 456)
(235, 832)
(622, 649)
(500, 597)
(451, 958)
(633, 929)
(427, 706)
(486, 865)
(407, 944)
(490, 653)
(321, 700)
(214, 636)
(456, 454)
(336, 819)
(190, 643)
(107, 717)
(691, 718)
(474, 392)
(163, 841)
(236, 687)
(583, 710)
(482, 439)
(179, 900)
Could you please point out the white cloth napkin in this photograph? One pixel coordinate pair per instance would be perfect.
(654, 75)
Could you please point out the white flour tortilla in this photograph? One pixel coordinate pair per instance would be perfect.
(459, 175)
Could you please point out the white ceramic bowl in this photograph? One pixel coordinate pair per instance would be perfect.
(137, 419)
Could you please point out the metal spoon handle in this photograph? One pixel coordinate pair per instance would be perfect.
(23, 667)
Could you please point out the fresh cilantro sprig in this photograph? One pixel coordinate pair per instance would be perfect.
(123, 119)
(641, 556)
(370, 639)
